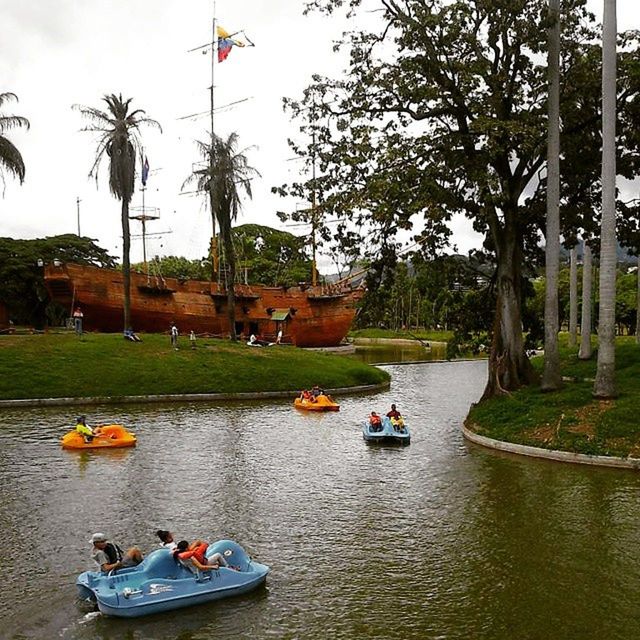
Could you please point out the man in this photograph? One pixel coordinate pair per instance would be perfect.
(108, 555)
(375, 422)
(77, 320)
(84, 429)
(174, 336)
(396, 419)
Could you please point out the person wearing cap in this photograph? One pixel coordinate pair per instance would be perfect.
(109, 556)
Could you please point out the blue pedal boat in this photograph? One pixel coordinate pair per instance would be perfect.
(160, 583)
(388, 435)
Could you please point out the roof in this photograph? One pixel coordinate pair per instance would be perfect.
(280, 314)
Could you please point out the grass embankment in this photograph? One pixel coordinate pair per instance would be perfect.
(570, 419)
(62, 365)
(433, 336)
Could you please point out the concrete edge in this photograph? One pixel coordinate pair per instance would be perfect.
(550, 454)
(186, 397)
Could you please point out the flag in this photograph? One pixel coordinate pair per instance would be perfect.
(145, 171)
(225, 43)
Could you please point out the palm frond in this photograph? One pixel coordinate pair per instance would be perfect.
(10, 159)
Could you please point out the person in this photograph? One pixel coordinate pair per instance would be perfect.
(194, 554)
(375, 421)
(166, 539)
(192, 339)
(316, 391)
(396, 419)
(279, 337)
(84, 430)
(77, 320)
(174, 336)
(109, 556)
(305, 395)
(130, 335)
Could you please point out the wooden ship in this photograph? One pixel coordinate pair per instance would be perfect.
(308, 316)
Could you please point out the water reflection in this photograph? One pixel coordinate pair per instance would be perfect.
(436, 540)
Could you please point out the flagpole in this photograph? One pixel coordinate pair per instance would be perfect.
(214, 256)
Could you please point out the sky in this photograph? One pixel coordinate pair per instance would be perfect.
(60, 53)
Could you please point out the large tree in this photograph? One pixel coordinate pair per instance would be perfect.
(224, 174)
(118, 138)
(443, 110)
(11, 160)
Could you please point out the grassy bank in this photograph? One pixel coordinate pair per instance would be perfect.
(62, 365)
(434, 336)
(570, 419)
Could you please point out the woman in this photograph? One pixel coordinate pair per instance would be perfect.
(194, 554)
(166, 539)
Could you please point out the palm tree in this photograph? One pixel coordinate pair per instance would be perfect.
(585, 323)
(226, 173)
(551, 378)
(118, 138)
(10, 159)
(573, 297)
(604, 386)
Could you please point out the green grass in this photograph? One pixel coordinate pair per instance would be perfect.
(435, 336)
(62, 365)
(570, 419)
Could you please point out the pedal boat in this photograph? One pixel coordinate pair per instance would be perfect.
(321, 403)
(160, 583)
(388, 435)
(110, 436)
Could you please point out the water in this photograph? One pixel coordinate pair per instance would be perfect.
(400, 352)
(440, 539)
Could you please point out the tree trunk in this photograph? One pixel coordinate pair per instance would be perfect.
(551, 378)
(638, 303)
(230, 275)
(126, 264)
(585, 323)
(509, 367)
(604, 386)
(573, 299)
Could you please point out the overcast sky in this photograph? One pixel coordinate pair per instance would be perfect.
(57, 53)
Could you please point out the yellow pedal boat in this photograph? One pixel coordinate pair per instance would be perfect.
(321, 403)
(110, 436)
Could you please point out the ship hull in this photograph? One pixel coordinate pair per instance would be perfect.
(307, 316)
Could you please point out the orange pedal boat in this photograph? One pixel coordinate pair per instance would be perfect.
(111, 436)
(321, 403)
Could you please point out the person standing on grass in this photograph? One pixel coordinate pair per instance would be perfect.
(174, 336)
(77, 320)
(192, 339)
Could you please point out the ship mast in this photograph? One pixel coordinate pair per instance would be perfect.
(214, 252)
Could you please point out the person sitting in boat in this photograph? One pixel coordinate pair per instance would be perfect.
(316, 391)
(305, 395)
(109, 556)
(166, 539)
(375, 422)
(193, 555)
(396, 419)
(84, 430)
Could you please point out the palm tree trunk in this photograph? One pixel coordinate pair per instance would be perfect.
(638, 304)
(551, 378)
(585, 323)
(573, 298)
(230, 275)
(604, 386)
(126, 264)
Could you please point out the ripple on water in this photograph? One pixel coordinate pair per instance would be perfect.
(435, 540)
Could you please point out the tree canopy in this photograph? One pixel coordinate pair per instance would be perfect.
(442, 111)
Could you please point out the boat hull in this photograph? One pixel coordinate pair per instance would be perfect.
(112, 436)
(322, 403)
(160, 584)
(307, 316)
(388, 435)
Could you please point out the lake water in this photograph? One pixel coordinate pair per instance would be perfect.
(440, 539)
